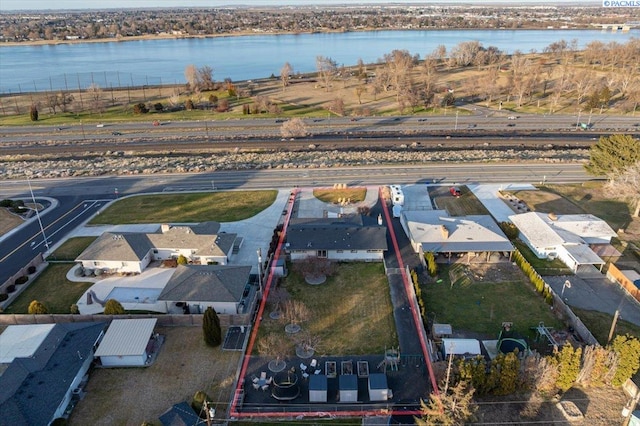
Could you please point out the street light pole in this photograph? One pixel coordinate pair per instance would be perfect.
(456, 128)
(33, 198)
(259, 252)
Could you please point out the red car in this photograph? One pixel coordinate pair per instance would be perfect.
(455, 191)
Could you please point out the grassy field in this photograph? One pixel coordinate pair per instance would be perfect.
(482, 306)
(331, 195)
(599, 324)
(197, 207)
(351, 313)
(71, 248)
(52, 289)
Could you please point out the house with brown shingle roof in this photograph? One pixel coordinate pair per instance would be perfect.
(131, 252)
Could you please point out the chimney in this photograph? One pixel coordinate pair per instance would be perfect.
(552, 216)
(165, 228)
(445, 231)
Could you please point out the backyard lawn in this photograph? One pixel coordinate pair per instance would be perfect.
(52, 289)
(481, 305)
(351, 313)
(227, 206)
(465, 204)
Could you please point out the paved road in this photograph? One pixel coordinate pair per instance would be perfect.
(79, 198)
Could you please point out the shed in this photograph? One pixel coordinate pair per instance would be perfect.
(318, 388)
(125, 343)
(441, 330)
(180, 415)
(461, 347)
(348, 388)
(378, 389)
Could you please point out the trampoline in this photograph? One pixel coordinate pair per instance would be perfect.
(285, 386)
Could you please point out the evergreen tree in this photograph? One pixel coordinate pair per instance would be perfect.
(627, 348)
(612, 154)
(182, 260)
(113, 307)
(453, 408)
(432, 266)
(33, 113)
(211, 328)
(569, 365)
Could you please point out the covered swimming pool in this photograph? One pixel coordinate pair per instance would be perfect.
(134, 294)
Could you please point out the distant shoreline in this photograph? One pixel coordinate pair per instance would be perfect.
(149, 37)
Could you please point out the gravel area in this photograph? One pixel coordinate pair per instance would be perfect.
(124, 163)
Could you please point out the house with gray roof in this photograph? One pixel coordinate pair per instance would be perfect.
(37, 389)
(471, 236)
(341, 239)
(224, 288)
(130, 252)
(572, 238)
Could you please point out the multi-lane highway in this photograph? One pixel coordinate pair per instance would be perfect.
(80, 198)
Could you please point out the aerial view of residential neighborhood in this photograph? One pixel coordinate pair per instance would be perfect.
(319, 212)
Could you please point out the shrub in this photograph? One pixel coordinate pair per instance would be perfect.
(113, 307)
(73, 309)
(182, 260)
(198, 401)
(11, 288)
(569, 362)
(140, 108)
(510, 230)
(6, 203)
(3, 297)
(31, 270)
(33, 113)
(21, 280)
(158, 106)
(188, 105)
(37, 308)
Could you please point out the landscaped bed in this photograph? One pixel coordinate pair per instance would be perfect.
(478, 303)
(351, 313)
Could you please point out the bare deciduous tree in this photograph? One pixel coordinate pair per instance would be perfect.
(96, 103)
(205, 78)
(294, 128)
(191, 75)
(285, 74)
(398, 64)
(626, 185)
(326, 70)
(295, 312)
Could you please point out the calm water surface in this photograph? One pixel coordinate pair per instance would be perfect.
(133, 63)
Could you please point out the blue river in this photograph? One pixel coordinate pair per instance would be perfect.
(163, 61)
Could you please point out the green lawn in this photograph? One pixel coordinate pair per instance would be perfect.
(599, 324)
(330, 195)
(228, 206)
(481, 307)
(351, 312)
(52, 289)
(71, 248)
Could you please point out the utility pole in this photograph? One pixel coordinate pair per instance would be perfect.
(613, 325)
(33, 198)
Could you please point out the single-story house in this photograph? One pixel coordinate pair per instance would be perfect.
(343, 239)
(221, 287)
(131, 252)
(49, 368)
(566, 237)
(126, 342)
(437, 232)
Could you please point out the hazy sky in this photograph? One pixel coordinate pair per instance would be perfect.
(103, 4)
